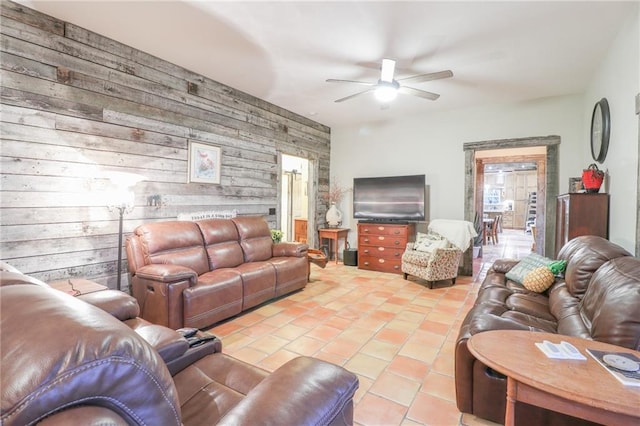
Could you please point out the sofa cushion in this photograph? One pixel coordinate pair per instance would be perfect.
(218, 295)
(531, 303)
(222, 242)
(584, 255)
(255, 238)
(526, 265)
(258, 283)
(212, 386)
(611, 304)
(173, 242)
(564, 307)
(290, 273)
(417, 258)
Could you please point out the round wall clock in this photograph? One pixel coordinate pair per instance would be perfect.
(600, 130)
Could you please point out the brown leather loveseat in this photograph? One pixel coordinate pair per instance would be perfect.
(598, 299)
(90, 360)
(194, 274)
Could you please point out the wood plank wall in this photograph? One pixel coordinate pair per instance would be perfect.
(76, 104)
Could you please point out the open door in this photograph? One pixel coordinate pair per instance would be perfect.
(294, 209)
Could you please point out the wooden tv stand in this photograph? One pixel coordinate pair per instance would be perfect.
(381, 245)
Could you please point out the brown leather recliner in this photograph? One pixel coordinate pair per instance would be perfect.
(194, 274)
(91, 360)
(598, 299)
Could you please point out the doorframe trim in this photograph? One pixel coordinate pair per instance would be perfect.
(550, 191)
(638, 181)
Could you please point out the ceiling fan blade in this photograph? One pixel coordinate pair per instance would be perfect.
(427, 77)
(387, 70)
(354, 95)
(417, 92)
(364, 83)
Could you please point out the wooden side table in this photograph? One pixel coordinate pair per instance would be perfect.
(77, 286)
(333, 234)
(578, 388)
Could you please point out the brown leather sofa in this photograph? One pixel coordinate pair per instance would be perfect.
(194, 274)
(91, 360)
(598, 299)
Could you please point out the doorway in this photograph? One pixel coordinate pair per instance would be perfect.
(496, 151)
(294, 198)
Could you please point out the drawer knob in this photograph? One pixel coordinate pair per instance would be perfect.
(396, 242)
(381, 260)
(366, 251)
(396, 267)
(380, 228)
(366, 263)
(381, 238)
(381, 248)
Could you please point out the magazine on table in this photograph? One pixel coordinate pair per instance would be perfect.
(622, 365)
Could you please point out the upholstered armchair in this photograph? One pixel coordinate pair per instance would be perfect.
(439, 263)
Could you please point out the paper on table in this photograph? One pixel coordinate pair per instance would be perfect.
(562, 350)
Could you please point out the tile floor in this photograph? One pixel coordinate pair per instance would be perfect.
(397, 336)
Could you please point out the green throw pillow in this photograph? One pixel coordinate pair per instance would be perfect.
(526, 265)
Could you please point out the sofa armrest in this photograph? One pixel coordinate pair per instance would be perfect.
(303, 391)
(167, 342)
(158, 289)
(167, 273)
(119, 304)
(289, 250)
(504, 265)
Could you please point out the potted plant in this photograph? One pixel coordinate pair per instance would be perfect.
(276, 235)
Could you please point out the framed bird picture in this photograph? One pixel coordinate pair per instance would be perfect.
(204, 163)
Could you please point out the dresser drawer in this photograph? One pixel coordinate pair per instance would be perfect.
(381, 251)
(380, 264)
(374, 229)
(382, 240)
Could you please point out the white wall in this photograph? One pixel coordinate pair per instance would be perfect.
(433, 145)
(618, 80)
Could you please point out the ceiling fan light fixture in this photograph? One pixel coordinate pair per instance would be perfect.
(387, 87)
(386, 92)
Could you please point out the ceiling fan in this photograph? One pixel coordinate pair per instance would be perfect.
(387, 88)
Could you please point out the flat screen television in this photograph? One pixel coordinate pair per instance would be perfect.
(389, 199)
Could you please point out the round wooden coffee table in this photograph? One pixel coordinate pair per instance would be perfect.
(578, 388)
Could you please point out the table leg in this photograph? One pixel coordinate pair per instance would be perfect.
(510, 413)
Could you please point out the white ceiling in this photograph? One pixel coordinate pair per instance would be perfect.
(283, 51)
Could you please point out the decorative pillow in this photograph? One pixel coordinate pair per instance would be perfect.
(421, 236)
(539, 279)
(526, 265)
(428, 245)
